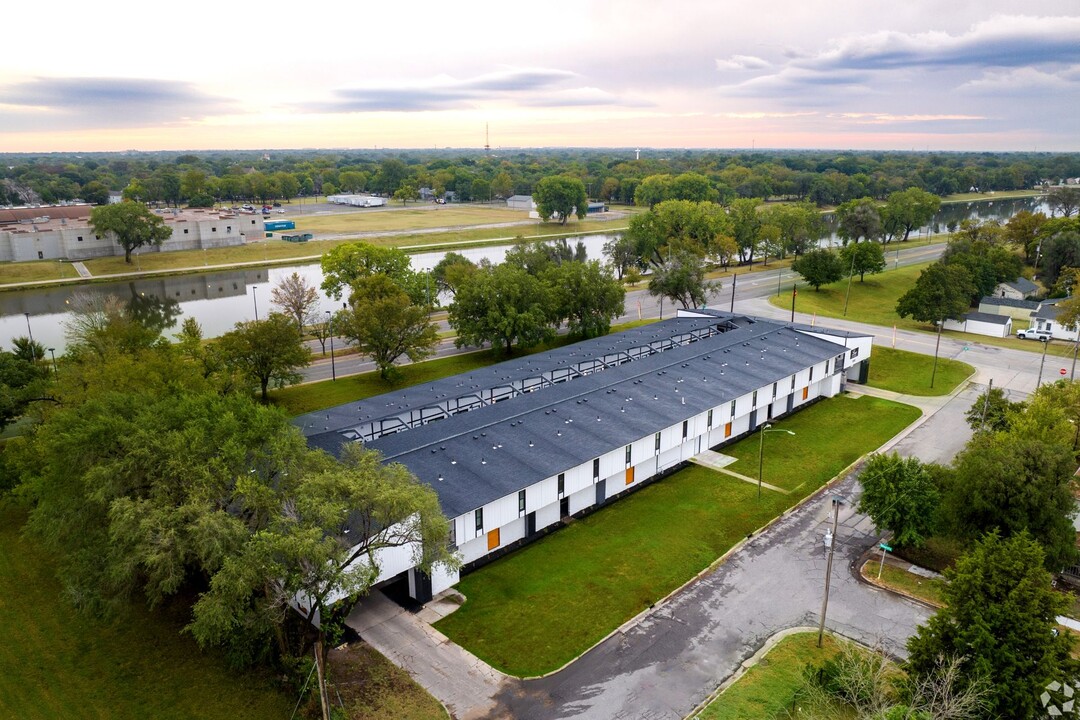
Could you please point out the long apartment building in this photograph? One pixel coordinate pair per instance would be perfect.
(514, 448)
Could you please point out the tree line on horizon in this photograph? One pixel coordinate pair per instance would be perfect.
(821, 177)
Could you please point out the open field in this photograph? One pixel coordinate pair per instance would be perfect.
(35, 271)
(55, 663)
(996, 195)
(909, 373)
(580, 579)
(769, 688)
(416, 218)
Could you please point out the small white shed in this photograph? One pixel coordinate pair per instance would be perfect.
(981, 323)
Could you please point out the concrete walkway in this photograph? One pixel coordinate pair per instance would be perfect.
(719, 462)
(458, 679)
(81, 269)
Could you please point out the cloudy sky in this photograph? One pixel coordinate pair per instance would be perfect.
(868, 74)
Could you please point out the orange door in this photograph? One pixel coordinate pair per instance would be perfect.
(727, 430)
(629, 475)
(805, 393)
(493, 539)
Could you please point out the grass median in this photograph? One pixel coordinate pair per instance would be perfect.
(909, 373)
(536, 609)
(770, 688)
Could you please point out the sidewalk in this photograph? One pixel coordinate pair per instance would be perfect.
(462, 682)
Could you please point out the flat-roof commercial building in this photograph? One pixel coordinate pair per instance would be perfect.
(64, 233)
(514, 448)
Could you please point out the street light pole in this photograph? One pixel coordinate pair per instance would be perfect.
(1046, 343)
(766, 428)
(330, 326)
(851, 274)
(828, 568)
(52, 351)
(255, 300)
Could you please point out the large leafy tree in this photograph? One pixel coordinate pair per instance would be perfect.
(1000, 619)
(503, 305)
(899, 495)
(1015, 482)
(586, 296)
(265, 351)
(859, 219)
(676, 226)
(560, 196)
(693, 187)
(22, 380)
(451, 271)
(940, 292)
(296, 298)
(131, 224)
(346, 264)
(819, 267)
(908, 209)
(1064, 199)
(746, 226)
(682, 279)
(861, 258)
(992, 411)
(799, 225)
(384, 323)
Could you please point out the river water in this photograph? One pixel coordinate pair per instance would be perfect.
(219, 300)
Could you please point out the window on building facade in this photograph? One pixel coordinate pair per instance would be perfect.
(811, 374)
(628, 454)
(453, 533)
(596, 468)
(521, 503)
(774, 391)
(213, 229)
(732, 408)
(185, 231)
(228, 228)
(792, 382)
(753, 400)
(656, 443)
(562, 484)
(708, 419)
(479, 520)
(79, 238)
(685, 426)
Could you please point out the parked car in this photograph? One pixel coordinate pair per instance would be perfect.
(1033, 334)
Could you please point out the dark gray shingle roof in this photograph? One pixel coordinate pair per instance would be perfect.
(1009, 302)
(988, 318)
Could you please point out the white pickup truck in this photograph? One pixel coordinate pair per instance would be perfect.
(1032, 334)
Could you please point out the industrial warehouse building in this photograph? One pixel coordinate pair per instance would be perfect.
(64, 232)
(514, 448)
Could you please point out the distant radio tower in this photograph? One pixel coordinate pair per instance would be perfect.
(487, 140)
(637, 154)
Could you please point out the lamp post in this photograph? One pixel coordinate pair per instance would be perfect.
(255, 300)
(33, 354)
(330, 327)
(1042, 362)
(761, 450)
(52, 351)
(851, 274)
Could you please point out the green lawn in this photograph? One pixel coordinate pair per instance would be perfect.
(929, 589)
(406, 218)
(57, 664)
(768, 689)
(909, 373)
(36, 270)
(819, 450)
(582, 581)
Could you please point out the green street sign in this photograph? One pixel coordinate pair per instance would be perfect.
(884, 547)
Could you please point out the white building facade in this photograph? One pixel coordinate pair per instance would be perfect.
(605, 419)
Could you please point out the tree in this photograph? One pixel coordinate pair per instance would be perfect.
(392, 172)
(95, 193)
(587, 297)
(101, 325)
(26, 349)
(1012, 483)
(451, 271)
(910, 209)
(800, 225)
(653, 190)
(346, 264)
(940, 292)
(992, 411)
(693, 187)
(1064, 199)
(307, 555)
(1000, 619)
(621, 254)
(502, 305)
(22, 380)
(682, 279)
(295, 297)
(899, 495)
(384, 323)
(862, 258)
(265, 351)
(559, 196)
(676, 226)
(858, 219)
(819, 267)
(131, 224)
(502, 185)
(406, 192)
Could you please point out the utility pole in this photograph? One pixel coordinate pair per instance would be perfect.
(1046, 343)
(851, 274)
(330, 328)
(986, 404)
(794, 292)
(937, 347)
(828, 568)
(735, 279)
